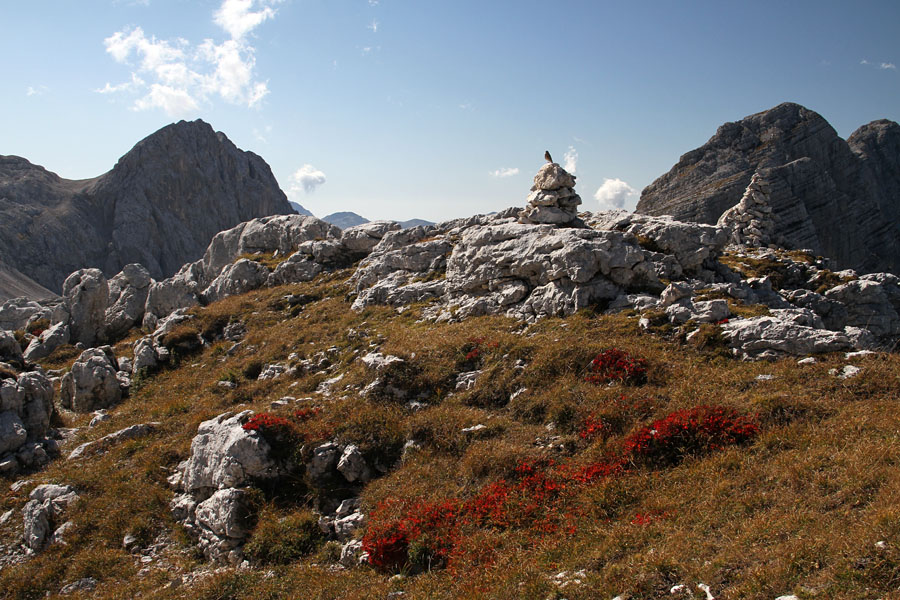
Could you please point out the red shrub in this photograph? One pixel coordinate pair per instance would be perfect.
(428, 528)
(281, 434)
(617, 365)
(591, 428)
(539, 497)
(693, 431)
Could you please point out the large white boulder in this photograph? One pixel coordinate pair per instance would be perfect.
(92, 382)
(128, 292)
(225, 455)
(86, 295)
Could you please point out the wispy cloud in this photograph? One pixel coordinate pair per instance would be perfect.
(177, 76)
(262, 136)
(883, 66)
(373, 26)
(36, 91)
(505, 172)
(307, 178)
(615, 193)
(571, 160)
(466, 106)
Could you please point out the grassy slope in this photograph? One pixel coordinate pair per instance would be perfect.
(798, 510)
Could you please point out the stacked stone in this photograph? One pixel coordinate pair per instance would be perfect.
(750, 220)
(552, 199)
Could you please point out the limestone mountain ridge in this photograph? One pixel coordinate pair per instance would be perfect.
(159, 206)
(838, 198)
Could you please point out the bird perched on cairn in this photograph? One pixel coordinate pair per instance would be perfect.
(547, 156)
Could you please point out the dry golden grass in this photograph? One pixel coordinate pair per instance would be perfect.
(799, 510)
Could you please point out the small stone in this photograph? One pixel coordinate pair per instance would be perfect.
(809, 360)
(859, 354)
(846, 372)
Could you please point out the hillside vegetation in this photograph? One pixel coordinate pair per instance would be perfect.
(589, 459)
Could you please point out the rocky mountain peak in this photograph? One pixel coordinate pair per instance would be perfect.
(159, 206)
(833, 196)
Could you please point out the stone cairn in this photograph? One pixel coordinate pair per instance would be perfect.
(552, 199)
(750, 220)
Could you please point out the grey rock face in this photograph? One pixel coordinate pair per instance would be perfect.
(835, 197)
(363, 238)
(221, 523)
(283, 233)
(224, 455)
(86, 294)
(129, 433)
(353, 466)
(225, 458)
(237, 278)
(26, 405)
(691, 245)
(92, 382)
(128, 292)
(12, 432)
(872, 304)
(15, 313)
(159, 206)
(771, 337)
(46, 505)
(47, 342)
(10, 351)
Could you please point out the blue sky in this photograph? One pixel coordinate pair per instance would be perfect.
(430, 109)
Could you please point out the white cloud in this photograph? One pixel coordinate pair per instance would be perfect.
(884, 66)
(135, 83)
(35, 91)
(238, 18)
(174, 101)
(181, 76)
(571, 160)
(307, 178)
(373, 26)
(615, 193)
(505, 172)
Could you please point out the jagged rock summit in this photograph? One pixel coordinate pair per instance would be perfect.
(159, 206)
(839, 198)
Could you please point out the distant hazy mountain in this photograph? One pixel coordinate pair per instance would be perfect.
(345, 219)
(350, 219)
(159, 206)
(414, 223)
(300, 209)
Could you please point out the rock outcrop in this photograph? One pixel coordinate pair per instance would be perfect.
(92, 382)
(835, 197)
(159, 206)
(26, 405)
(225, 459)
(43, 512)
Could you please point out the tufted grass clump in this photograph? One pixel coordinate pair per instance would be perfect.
(281, 539)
